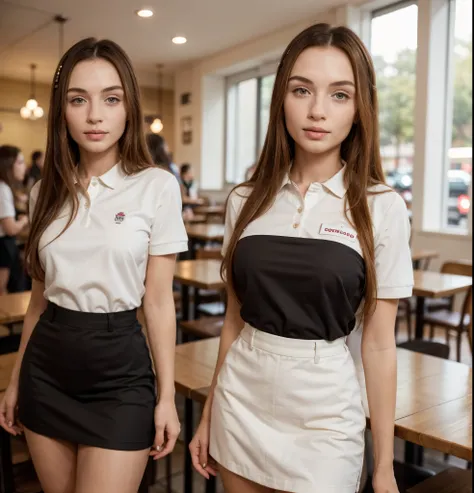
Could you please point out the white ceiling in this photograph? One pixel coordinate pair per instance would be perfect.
(210, 26)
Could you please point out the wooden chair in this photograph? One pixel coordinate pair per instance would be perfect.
(17, 474)
(452, 480)
(450, 320)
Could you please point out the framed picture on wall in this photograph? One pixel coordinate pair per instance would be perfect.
(186, 130)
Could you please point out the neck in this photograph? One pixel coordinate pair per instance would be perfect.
(97, 163)
(309, 168)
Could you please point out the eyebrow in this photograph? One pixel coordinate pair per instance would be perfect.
(333, 84)
(83, 91)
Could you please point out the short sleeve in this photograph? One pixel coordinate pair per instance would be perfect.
(7, 203)
(168, 234)
(393, 264)
(230, 219)
(33, 199)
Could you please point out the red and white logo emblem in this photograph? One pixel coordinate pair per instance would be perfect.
(119, 217)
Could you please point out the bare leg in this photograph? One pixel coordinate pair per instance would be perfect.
(233, 483)
(109, 471)
(54, 461)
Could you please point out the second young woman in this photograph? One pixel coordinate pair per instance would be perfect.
(106, 228)
(316, 246)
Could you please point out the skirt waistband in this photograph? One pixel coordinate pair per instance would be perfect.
(296, 348)
(88, 320)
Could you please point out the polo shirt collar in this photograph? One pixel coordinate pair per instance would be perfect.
(111, 178)
(335, 184)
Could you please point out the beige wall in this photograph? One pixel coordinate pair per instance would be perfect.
(195, 77)
(31, 135)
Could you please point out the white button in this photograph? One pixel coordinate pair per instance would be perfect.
(295, 225)
(94, 183)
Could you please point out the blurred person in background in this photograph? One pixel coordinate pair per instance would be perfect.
(12, 174)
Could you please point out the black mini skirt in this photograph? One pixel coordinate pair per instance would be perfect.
(87, 378)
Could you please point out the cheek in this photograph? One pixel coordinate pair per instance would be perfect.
(291, 112)
(72, 121)
(119, 117)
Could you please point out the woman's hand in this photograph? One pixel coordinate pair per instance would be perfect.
(384, 481)
(167, 428)
(199, 449)
(8, 411)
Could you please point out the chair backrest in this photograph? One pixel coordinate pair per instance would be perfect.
(461, 268)
(209, 253)
(457, 268)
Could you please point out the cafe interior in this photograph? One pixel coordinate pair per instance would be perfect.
(206, 72)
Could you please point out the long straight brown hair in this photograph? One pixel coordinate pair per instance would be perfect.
(360, 150)
(58, 184)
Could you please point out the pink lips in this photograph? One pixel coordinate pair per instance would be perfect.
(315, 133)
(95, 135)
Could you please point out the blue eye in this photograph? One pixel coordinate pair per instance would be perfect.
(341, 96)
(113, 100)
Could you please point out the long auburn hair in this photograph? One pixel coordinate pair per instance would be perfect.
(360, 150)
(58, 184)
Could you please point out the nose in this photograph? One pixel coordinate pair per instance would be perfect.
(94, 115)
(317, 109)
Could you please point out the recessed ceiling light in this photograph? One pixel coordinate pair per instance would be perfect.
(144, 13)
(179, 40)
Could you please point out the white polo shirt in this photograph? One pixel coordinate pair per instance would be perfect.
(299, 270)
(99, 263)
(7, 204)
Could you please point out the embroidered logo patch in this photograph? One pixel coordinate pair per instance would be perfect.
(340, 230)
(119, 217)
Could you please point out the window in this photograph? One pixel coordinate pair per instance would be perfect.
(458, 172)
(248, 109)
(393, 45)
(264, 110)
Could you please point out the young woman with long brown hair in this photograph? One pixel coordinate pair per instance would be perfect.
(316, 246)
(106, 227)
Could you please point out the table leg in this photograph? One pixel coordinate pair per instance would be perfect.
(184, 309)
(197, 302)
(6, 467)
(188, 435)
(420, 317)
(416, 264)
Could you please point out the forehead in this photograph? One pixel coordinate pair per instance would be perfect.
(94, 74)
(323, 65)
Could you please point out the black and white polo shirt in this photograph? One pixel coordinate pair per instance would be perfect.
(298, 269)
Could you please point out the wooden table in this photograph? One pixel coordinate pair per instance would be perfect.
(7, 361)
(435, 285)
(202, 233)
(199, 274)
(425, 255)
(434, 396)
(196, 219)
(210, 210)
(13, 307)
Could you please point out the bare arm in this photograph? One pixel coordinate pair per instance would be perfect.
(11, 226)
(379, 358)
(160, 319)
(233, 324)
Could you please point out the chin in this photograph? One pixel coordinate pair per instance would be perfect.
(315, 147)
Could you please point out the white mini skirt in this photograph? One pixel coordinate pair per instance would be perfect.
(287, 414)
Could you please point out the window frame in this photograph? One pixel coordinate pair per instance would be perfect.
(231, 82)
